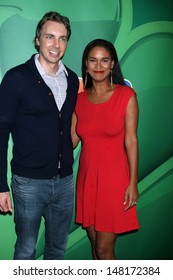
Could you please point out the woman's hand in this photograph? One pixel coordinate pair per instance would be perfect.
(131, 196)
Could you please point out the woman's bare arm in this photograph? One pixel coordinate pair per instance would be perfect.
(131, 145)
(74, 136)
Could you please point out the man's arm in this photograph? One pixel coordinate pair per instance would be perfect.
(7, 108)
(5, 202)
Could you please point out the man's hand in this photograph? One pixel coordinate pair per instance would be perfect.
(5, 202)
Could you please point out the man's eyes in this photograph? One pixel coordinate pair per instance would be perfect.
(61, 39)
(49, 36)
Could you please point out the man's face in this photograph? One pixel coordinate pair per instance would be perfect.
(52, 43)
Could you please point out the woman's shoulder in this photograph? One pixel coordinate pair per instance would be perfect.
(124, 94)
(124, 90)
(81, 94)
(81, 99)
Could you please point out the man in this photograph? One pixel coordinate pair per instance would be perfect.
(37, 100)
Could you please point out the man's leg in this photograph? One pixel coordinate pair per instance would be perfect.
(28, 209)
(58, 217)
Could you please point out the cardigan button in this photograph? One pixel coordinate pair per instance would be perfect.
(50, 93)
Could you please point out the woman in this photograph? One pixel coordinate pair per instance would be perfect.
(105, 120)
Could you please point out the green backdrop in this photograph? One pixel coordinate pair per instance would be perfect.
(142, 32)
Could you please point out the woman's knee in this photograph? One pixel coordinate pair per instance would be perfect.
(104, 253)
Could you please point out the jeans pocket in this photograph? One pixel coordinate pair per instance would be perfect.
(19, 180)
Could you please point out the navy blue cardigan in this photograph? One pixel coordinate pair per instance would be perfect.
(40, 132)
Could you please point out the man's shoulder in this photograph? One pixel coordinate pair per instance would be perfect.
(21, 67)
(16, 68)
(73, 79)
(71, 72)
(23, 70)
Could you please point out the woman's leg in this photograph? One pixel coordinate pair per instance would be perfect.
(92, 237)
(104, 245)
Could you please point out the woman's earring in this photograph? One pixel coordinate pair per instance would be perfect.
(111, 79)
(86, 77)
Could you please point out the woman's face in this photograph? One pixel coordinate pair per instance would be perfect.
(99, 64)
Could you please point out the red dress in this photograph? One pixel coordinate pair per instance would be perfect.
(103, 173)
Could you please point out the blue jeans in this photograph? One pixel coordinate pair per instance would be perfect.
(34, 198)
